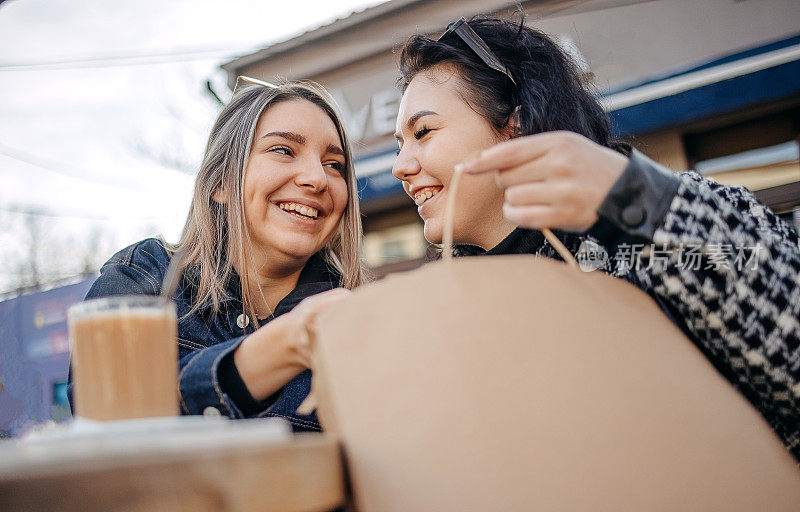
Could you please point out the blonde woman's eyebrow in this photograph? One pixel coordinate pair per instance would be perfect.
(291, 136)
(300, 139)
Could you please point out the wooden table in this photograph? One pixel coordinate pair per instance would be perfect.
(242, 466)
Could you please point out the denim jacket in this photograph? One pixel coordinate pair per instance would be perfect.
(207, 378)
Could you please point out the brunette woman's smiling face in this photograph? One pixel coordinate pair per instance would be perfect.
(437, 129)
(294, 191)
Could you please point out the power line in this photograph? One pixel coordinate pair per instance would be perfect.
(39, 211)
(66, 274)
(58, 167)
(49, 165)
(123, 59)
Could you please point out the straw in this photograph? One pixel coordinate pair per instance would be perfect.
(173, 274)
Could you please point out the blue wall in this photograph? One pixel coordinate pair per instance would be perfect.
(34, 357)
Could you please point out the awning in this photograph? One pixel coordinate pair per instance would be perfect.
(741, 80)
(737, 81)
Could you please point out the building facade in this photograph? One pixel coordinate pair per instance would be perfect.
(34, 357)
(712, 85)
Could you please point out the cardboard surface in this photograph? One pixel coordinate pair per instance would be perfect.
(517, 383)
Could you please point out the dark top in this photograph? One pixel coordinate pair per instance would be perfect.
(208, 380)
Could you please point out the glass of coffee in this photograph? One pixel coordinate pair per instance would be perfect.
(124, 357)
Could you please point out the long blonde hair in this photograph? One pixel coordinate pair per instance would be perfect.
(215, 235)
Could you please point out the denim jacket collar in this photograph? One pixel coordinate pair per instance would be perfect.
(315, 274)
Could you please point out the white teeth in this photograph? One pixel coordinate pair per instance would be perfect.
(425, 194)
(306, 211)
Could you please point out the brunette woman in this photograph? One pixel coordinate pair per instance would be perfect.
(504, 102)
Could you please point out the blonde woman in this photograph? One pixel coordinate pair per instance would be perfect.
(274, 221)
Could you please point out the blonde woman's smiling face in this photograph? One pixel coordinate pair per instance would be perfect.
(294, 189)
(437, 129)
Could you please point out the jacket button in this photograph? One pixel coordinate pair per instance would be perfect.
(633, 215)
(242, 321)
(211, 411)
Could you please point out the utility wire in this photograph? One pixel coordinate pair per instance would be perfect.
(123, 59)
(40, 211)
(51, 166)
(65, 274)
(60, 168)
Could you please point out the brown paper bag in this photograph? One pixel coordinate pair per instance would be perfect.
(519, 383)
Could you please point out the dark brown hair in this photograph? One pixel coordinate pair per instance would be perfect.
(550, 95)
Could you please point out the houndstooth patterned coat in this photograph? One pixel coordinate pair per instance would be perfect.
(738, 298)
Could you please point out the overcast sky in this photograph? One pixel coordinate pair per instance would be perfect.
(89, 137)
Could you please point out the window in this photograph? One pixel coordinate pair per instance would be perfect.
(393, 250)
(756, 169)
(60, 393)
(761, 153)
(393, 244)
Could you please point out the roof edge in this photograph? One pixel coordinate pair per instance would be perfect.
(313, 35)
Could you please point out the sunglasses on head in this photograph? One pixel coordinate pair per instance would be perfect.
(462, 29)
(250, 80)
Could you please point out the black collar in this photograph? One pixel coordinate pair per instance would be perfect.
(316, 277)
(521, 241)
